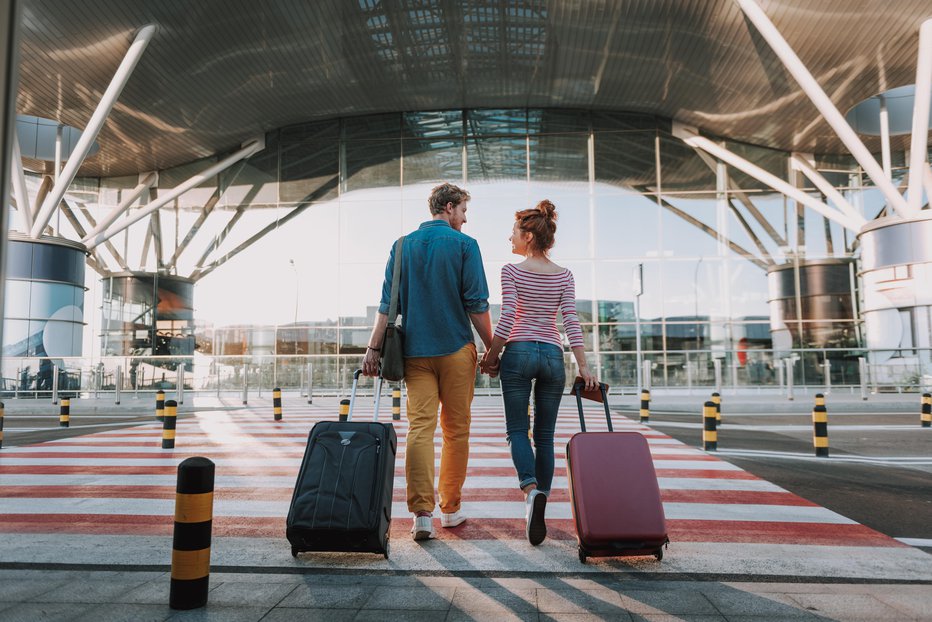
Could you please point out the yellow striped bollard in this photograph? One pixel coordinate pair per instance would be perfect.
(160, 405)
(819, 399)
(717, 400)
(277, 403)
(64, 414)
(709, 434)
(925, 417)
(396, 404)
(645, 406)
(168, 424)
(344, 410)
(820, 428)
(1, 425)
(194, 508)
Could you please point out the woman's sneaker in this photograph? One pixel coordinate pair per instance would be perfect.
(536, 527)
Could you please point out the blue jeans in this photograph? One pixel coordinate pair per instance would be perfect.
(522, 362)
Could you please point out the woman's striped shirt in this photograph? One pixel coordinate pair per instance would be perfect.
(530, 301)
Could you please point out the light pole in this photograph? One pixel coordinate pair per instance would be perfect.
(638, 290)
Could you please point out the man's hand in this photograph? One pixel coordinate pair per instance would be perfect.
(490, 365)
(370, 363)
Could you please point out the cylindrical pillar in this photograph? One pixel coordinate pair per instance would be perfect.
(168, 425)
(862, 373)
(926, 416)
(396, 404)
(717, 369)
(709, 434)
(180, 381)
(245, 384)
(789, 379)
(827, 372)
(160, 405)
(54, 384)
(310, 384)
(64, 413)
(645, 406)
(194, 508)
(820, 430)
(1, 425)
(646, 374)
(717, 400)
(277, 403)
(344, 410)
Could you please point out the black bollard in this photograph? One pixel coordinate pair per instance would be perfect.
(277, 403)
(820, 430)
(396, 404)
(645, 406)
(709, 434)
(344, 410)
(194, 506)
(1, 425)
(160, 405)
(168, 425)
(64, 414)
(925, 417)
(717, 400)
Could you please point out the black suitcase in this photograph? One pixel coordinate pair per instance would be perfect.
(343, 497)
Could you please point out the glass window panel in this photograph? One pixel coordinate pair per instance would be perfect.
(369, 226)
(360, 290)
(626, 159)
(432, 124)
(824, 238)
(16, 338)
(614, 284)
(19, 259)
(16, 299)
(57, 263)
(433, 160)
(354, 341)
(771, 160)
(681, 168)
(489, 159)
(57, 338)
(690, 225)
(626, 224)
(373, 164)
(747, 289)
(195, 197)
(309, 162)
(603, 121)
(552, 121)
(559, 157)
(688, 335)
(254, 183)
(695, 289)
(623, 337)
(52, 299)
(373, 126)
(508, 122)
(619, 370)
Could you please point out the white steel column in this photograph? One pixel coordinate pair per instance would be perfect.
(885, 138)
(120, 78)
(691, 138)
(920, 139)
(803, 162)
(19, 183)
(822, 101)
(250, 148)
(145, 182)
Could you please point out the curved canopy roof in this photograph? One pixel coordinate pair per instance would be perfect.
(219, 72)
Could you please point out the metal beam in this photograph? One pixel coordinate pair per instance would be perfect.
(113, 251)
(748, 230)
(745, 200)
(44, 187)
(919, 144)
(18, 176)
(110, 96)
(155, 225)
(303, 205)
(692, 138)
(824, 104)
(145, 248)
(251, 147)
(220, 237)
(145, 182)
(804, 164)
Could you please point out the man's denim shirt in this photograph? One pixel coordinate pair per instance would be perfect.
(442, 282)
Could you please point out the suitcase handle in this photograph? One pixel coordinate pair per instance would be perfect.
(577, 389)
(352, 400)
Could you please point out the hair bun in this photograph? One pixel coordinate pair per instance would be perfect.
(547, 209)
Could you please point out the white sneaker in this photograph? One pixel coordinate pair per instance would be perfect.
(423, 528)
(452, 519)
(536, 527)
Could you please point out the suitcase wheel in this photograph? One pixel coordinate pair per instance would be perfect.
(659, 554)
(388, 545)
(582, 556)
(294, 551)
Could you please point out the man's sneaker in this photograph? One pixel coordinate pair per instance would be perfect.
(423, 528)
(452, 519)
(536, 527)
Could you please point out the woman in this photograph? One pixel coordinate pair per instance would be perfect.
(532, 293)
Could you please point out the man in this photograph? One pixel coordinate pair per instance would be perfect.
(442, 291)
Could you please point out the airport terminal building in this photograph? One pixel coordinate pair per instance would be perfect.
(208, 195)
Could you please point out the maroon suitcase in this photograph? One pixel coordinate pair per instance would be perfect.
(614, 492)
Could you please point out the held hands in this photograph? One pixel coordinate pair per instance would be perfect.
(490, 365)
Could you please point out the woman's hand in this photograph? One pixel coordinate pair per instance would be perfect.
(591, 381)
(490, 364)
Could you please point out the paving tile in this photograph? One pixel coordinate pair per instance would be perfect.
(24, 589)
(582, 617)
(667, 602)
(411, 598)
(212, 613)
(580, 601)
(688, 617)
(912, 602)
(326, 597)
(736, 603)
(457, 615)
(249, 595)
(497, 599)
(88, 591)
(848, 606)
(374, 615)
(44, 612)
(282, 614)
(121, 612)
(152, 592)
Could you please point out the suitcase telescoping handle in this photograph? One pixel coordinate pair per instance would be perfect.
(352, 399)
(578, 389)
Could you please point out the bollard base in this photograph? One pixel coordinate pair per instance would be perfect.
(645, 420)
(188, 594)
(821, 452)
